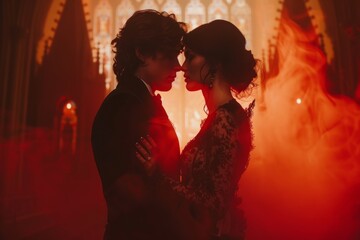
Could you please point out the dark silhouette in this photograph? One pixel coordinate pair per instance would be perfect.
(218, 64)
(146, 51)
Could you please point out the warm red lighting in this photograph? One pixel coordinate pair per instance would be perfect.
(68, 106)
(306, 158)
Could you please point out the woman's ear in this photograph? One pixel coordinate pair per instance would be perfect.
(213, 69)
(219, 67)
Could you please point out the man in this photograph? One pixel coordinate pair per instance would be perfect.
(146, 51)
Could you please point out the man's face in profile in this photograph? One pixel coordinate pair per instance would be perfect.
(161, 71)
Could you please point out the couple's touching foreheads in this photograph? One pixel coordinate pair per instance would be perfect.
(152, 190)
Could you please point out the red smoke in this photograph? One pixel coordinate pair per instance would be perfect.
(303, 181)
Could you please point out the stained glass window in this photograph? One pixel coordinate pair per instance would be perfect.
(241, 17)
(171, 6)
(103, 20)
(149, 4)
(194, 14)
(123, 12)
(217, 10)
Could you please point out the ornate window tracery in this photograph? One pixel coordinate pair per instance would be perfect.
(195, 14)
(149, 4)
(241, 16)
(103, 23)
(123, 12)
(171, 6)
(218, 10)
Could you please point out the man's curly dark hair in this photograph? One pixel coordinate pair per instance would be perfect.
(149, 32)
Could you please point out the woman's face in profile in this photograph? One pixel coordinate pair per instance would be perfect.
(195, 70)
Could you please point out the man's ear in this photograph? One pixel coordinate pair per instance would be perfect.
(139, 55)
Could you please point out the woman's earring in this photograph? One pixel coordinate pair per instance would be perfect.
(212, 77)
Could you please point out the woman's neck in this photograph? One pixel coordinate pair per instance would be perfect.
(218, 95)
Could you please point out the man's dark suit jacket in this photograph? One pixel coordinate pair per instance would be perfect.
(135, 201)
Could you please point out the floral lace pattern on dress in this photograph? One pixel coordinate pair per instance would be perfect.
(214, 160)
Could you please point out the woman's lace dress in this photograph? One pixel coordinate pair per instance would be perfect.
(212, 164)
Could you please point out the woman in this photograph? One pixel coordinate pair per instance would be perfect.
(218, 64)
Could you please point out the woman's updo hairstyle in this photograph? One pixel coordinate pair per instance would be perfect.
(222, 43)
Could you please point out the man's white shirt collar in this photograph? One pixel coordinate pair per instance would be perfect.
(148, 87)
